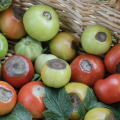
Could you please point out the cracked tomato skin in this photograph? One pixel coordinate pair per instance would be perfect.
(108, 90)
(112, 59)
(17, 70)
(31, 97)
(8, 106)
(80, 75)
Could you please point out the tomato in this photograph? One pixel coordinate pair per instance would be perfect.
(29, 47)
(112, 59)
(96, 40)
(3, 46)
(31, 97)
(64, 45)
(99, 114)
(55, 73)
(41, 22)
(17, 70)
(41, 59)
(4, 4)
(77, 93)
(8, 98)
(12, 22)
(108, 90)
(87, 69)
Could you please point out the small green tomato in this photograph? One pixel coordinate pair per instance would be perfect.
(55, 73)
(29, 47)
(96, 40)
(99, 114)
(4, 4)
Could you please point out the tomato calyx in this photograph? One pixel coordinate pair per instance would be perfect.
(56, 64)
(47, 15)
(18, 12)
(27, 42)
(101, 36)
(86, 66)
(15, 65)
(75, 101)
(117, 67)
(5, 95)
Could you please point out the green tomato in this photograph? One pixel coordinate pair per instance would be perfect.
(55, 73)
(3, 46)
(96, 40)
(29, 47)
(4, 4)
(41, 22)
(99, 114)
(41, 59)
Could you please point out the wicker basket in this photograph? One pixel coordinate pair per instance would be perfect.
(76, 15)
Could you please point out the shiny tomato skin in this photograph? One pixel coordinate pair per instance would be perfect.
(112, 58)
(78, 74)
(108, 90)
(30, 101)
(10, 25)
(7, 107)
(12, 75)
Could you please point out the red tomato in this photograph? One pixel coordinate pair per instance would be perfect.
(31, 97)
(108, 90)
(11, 22)
(17, 70)
(87, 69)
(112, 59)
(8, 98)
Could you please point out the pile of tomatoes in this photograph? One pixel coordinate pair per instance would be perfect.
(39, 25)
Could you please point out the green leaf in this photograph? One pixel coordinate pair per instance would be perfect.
(58, 103)
(81, 111)
(36, 76)
(18, 113)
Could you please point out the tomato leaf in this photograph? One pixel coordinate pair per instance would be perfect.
(18, 113)
(81, 111)
(36, 76)
(58, 103)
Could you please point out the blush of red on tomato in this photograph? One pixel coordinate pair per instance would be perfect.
(87, 69)
(112, 59)
(8, 98)
(17, 70)
(11, 21)
(31, 97)
(108, 90)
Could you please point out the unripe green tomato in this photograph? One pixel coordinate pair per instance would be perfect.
(5, 5)
(77, 93)
(99, 114)
(56, 73)
(41, 59)
(29, 47)
(3, 46)
(41, 22)
(96, 40)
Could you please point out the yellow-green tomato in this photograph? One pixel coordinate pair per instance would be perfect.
(41, 59)
(29, 47)
(77, 93)
(64, 45)
(3, 46)
(96, 40)
(55, 73)
(41, 22)
(99, 114)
